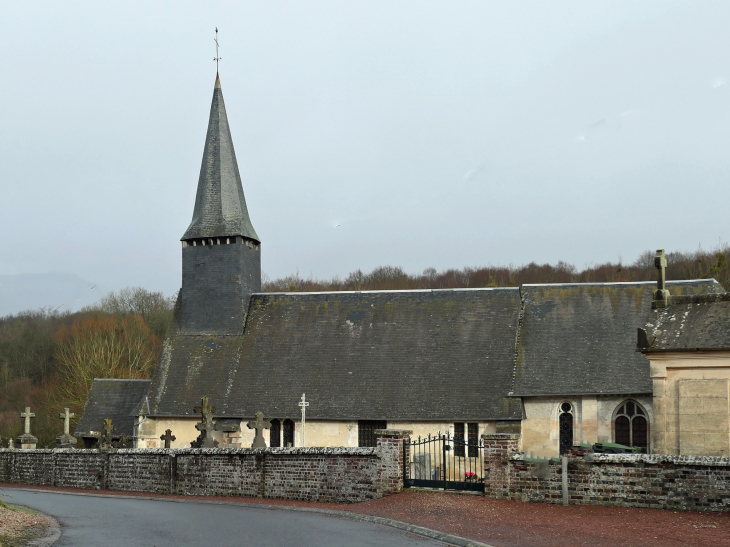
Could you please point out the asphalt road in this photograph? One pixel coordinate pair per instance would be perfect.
(94, 521)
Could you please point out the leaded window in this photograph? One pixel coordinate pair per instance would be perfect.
(366, 431)
(631, 425)
(275, 433)
(473, 440)
(459, 441)
(464, 432)
(288, 433)
(565, 421)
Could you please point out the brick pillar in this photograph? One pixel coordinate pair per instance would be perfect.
(390, 460)
(498, 449)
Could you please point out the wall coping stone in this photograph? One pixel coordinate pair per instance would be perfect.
(310, 451)
(393, 432)
(501, 436)
(651, 459)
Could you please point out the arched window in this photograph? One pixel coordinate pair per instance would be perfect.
(565, 421)
(288, 433)
(631, 425)
(275, 434)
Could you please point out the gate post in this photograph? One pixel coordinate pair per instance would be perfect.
(498, 449)
(392, 459)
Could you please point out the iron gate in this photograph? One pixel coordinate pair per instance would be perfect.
(442, 461)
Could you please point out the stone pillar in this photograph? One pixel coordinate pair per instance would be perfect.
(498, 449)
(391, 460)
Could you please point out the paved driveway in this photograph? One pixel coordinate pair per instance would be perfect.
(94, 521)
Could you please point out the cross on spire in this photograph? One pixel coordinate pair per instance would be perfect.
(217, 57)
(66, 417)
(168, 437)
(259, 424)
(27, 415)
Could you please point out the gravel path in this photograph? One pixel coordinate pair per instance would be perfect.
(518, 524)
(18, 524)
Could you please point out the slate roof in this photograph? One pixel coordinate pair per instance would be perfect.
(115, 399)
(392, 355)
(690, 323)
(580, 338)
(220, 206)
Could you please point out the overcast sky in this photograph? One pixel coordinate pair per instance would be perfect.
(437, 134)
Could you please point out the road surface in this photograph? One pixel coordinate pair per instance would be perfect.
(94, 521)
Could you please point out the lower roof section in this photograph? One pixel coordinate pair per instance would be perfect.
(114, 399)
(383, 355)
(580, 338)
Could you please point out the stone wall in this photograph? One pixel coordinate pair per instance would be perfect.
(698, 483)
(317, 474)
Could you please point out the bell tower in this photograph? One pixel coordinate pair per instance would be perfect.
(221, 252)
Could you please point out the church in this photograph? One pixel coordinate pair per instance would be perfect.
(556, 363)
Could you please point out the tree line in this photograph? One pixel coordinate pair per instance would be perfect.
(48, 360)
(699, 264)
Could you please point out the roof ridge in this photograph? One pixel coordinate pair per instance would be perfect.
(605, 283)
(390, 291)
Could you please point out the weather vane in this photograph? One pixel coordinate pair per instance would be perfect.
(217, 57)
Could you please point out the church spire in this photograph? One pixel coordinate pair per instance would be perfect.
(220, 206)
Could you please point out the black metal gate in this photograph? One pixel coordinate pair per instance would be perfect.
(442, 461)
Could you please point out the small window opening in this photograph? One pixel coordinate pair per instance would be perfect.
(288, 433)
(275, 434)
(473, 430)
(466, 434)
(459, 441)
(366, 431)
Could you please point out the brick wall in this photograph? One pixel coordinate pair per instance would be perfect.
(498, 449)
(317, 474)
(698, 483)
(390, 465)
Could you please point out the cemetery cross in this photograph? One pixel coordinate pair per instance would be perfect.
(259, 425)
(66, 417)
(304, 404)
(168, 437)
(27, 415)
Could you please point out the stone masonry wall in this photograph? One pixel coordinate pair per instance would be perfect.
(316, 474)
(697, 483)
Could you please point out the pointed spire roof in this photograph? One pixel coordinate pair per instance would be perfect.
(220, 207)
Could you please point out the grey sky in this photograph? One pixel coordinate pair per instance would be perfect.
(442, 134)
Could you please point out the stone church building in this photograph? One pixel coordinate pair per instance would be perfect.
(556, 362)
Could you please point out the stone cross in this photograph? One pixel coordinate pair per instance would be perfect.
(168, 437)
(661, 295)
(206, 426)
(27, 415)
(660, 263)
(108, 428)
(304, 404)
(259, 425)
(66, 417)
